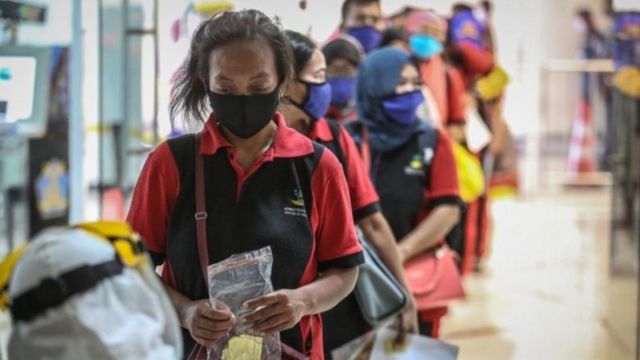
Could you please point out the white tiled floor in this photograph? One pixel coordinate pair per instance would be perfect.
(545, 292)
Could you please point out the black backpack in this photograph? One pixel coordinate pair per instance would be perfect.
(426, 140)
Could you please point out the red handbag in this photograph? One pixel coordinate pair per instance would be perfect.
(434, 278)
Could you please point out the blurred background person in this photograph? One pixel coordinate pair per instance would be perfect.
(363, 20)
(305, 101)
(415, 178)
(396, 37)
(343, 56)
(87, 292)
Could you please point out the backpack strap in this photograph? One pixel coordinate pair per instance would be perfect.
(360, 136)
(303, 169)
(427, 143)
(335, 132)
(182, 151)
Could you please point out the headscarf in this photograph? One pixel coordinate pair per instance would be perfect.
(378, 77)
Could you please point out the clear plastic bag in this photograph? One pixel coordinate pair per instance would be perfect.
(233, 281)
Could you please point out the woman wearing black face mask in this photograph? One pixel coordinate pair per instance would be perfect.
(305, 102)
(265, 185)
(412, 164)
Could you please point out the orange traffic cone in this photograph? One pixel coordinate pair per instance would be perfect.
(113, 205)
(582, 147)
(582, 166)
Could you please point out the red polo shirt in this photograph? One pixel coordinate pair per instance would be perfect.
(456, 95)
(364, 198)
(334, 240)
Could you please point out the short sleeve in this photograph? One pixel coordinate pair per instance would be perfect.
(336, 241)
(443, 185)
(364, 198)
(456, 93)
(154, 195)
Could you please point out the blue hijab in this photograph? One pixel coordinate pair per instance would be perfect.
(378, 76)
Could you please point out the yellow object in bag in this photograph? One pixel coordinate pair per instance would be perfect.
(493, 84)
(470, 174)
(627, 80)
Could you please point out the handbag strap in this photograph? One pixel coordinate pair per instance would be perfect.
(201, 211)
(339, 153)
(201, 216)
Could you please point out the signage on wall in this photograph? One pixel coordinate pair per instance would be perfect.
(52, 190)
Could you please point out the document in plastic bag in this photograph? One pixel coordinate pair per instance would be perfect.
(233, 281)
(415, 348)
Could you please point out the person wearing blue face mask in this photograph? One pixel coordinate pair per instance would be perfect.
(411, 163)
(362, 19)
(304, 104)
(342, 56)
(425, 46)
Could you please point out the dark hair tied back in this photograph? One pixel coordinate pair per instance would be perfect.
(303, 49)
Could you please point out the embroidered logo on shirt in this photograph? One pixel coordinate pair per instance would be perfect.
(418, 163)
(297, 201)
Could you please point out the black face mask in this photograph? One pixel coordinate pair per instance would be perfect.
(244, 115)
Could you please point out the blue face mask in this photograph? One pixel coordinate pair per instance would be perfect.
(368, 36)
(424, 46)
(342, 90)
(318, 98)
(401, 108)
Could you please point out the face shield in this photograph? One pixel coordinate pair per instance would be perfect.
(88, 292)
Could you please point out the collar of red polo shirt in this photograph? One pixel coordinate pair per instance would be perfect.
(321, 131)
(287, 143)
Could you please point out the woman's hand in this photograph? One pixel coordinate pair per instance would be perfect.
(206, 324)
(408, 323)
(403, 253)
(278, 311)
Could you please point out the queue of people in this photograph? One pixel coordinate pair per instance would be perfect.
(314, 149)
